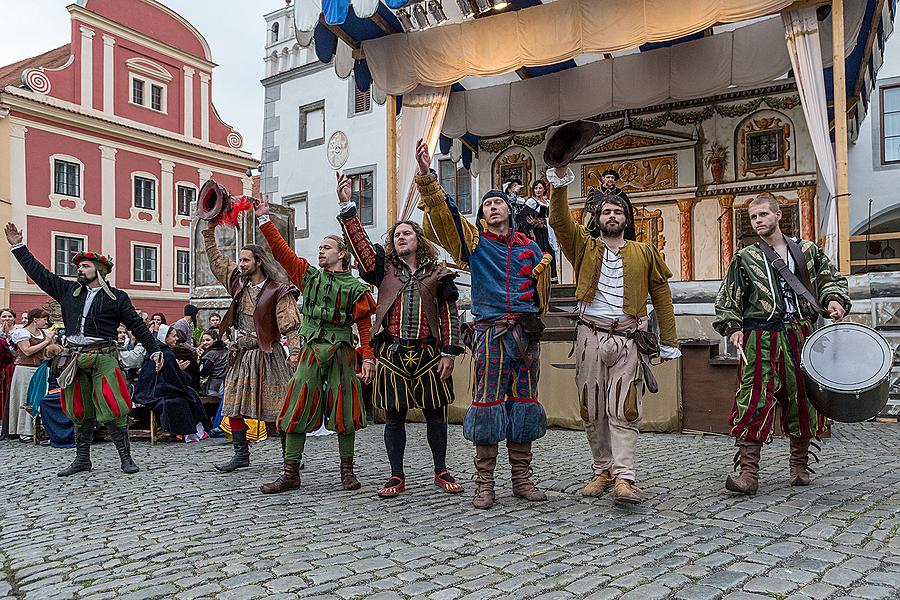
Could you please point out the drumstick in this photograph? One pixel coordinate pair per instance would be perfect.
(743, 356)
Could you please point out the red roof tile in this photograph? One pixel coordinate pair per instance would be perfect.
(12, 74)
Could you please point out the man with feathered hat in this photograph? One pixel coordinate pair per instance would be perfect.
(510, 291)
(94, 390)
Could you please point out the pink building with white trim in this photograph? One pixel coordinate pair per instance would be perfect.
(104, 144)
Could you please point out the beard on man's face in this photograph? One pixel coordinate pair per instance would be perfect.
(404, 250)
(83, 279)
(612, 228)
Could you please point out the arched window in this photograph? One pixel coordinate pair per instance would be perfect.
(274, 32)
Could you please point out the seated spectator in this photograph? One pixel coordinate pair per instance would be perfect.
(213, 364)
(185, 325)
(187, 359)
(169, 394)
(32, 343)
(59, 428)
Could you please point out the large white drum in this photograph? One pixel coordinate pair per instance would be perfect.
(847, 368)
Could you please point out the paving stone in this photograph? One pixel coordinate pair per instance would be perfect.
(223, 540)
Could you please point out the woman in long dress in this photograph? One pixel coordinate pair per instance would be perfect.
(531, 219)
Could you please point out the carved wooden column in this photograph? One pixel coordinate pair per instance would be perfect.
(685, 213)
(726, 229)
(807, 196)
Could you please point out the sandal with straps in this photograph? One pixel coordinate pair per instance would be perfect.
(392, 491)
(451, 487)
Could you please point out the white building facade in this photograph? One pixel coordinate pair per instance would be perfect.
(875, 169)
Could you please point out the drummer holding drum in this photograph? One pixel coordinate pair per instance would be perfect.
(771, 296)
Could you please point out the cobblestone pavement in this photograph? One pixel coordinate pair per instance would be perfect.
(179, 529)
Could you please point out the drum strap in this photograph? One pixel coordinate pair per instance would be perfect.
(802, 289)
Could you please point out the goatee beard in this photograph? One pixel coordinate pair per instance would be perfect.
(85, 281)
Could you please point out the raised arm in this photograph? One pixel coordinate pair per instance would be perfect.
(442, 222)
(54, 285)
(571, 236)
(296, 266)
(221, 266)
(369, 256)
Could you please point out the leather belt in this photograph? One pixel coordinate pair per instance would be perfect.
(511, 324)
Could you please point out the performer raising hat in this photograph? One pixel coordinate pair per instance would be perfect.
(614, 276)
(324, 388)
(510, 291)
(769, 320)
(94, 387)
(419, 339)
(263, 308)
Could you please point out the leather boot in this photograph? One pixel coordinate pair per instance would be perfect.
(520, 463)
(627, 492)
(241, 456)
(289, 479)
(799, 461)
(120, 438)
(348, 477)
(84, 435)
(598, 485)
(748, 458)
(485, 462)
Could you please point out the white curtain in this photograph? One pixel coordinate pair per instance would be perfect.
(421, 118)
(543, 34)
(801, 33)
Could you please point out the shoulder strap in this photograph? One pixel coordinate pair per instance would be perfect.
(788, 276)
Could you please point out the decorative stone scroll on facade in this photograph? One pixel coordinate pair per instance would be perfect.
(686, 258)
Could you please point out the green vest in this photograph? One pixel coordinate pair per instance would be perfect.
(328, 301)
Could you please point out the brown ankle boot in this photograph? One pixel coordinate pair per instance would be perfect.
(485, 462)
(289, 479)
(626, 491)
(799, 461)
(748, 458)
(348, 477)
(520, 463)
(598, 485)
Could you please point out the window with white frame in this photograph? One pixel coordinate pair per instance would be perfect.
(186, 195)
(144, 264)
(457, 181)
(182, 267)
(300, 205)
(890, 124)
(156, 97)
(148, 94)
(144, 193)
(137, 91)
(312, 124)
(66, 178)
(65, 249)
(363, 194)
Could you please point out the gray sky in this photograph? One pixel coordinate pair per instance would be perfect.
(234, 29)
